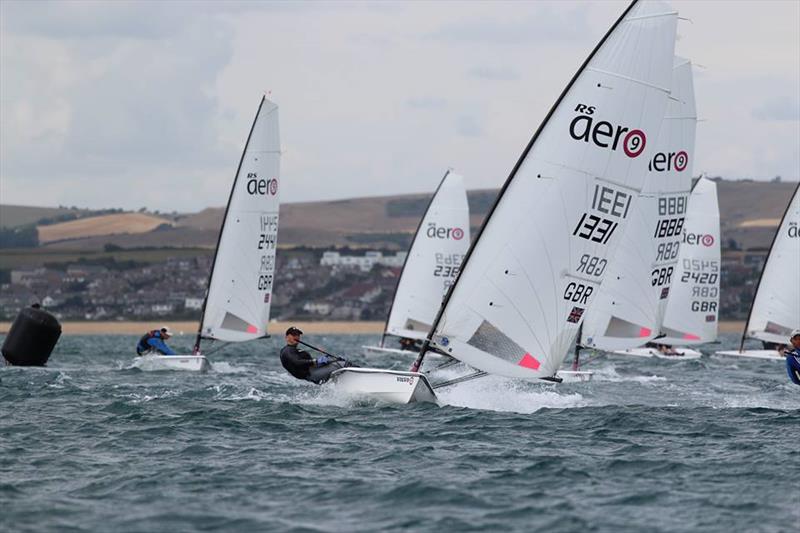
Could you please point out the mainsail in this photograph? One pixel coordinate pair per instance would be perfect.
(630, 305)
(237, 303)
(433, 261)
(775, 312)
(544, 247)
(693, 304)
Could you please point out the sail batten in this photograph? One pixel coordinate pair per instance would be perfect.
(517, 304)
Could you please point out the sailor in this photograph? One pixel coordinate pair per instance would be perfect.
(153, 342)
(301, 365)
(408, 344)
(792, 355)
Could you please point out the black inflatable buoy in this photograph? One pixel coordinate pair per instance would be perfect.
(32, 337)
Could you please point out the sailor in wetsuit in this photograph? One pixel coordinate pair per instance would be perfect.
(152, 342)
(792, 355)
(301, 365)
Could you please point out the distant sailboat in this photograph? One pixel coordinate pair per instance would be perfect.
(631, 303)
(692, 312)
(239, 293)
(775, 311)
(433, 260)
(543, 250)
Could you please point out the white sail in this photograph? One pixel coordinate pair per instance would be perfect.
(776, 307)
(240, 289)
(544, 247)
(433, 260)
(693, 303)
(631, 302)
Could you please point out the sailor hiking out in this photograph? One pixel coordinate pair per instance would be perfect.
(152, 342)
(792, 355)
(301, 365)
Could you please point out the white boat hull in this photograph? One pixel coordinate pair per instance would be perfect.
(575, 376)
(380, 350)
(187, 363)
(389, 386)
(771, 355)
(682, 355)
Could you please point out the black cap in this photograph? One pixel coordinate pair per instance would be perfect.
(294, 331)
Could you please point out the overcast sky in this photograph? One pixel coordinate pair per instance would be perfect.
(112, 104)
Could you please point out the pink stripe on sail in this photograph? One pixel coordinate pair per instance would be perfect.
(690, 337)
(645, 332)
(529, 361)
(252, 329)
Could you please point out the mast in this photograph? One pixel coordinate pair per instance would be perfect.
(413, 239)
(426, 345)
(196, 349)
(764, 268)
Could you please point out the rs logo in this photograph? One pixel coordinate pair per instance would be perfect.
(604, 134)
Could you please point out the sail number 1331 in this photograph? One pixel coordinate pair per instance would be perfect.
(610, 204)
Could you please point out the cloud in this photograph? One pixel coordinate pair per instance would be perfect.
(542, 23)
(784, 108)
(426, 103)
(469, 126)
(493, 73)
(131, 111)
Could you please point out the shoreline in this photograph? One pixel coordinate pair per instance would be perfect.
(189, 327)
(276, 329)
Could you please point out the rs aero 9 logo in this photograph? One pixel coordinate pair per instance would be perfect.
(440, 232)
(604, 134)
(666, 162)
(260, 186)
(698, 238)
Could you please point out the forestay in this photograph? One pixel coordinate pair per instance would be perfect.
(632, 300)
(542, 252)
(776, 307)
(693, 304)
(240, 287)
(439, 245)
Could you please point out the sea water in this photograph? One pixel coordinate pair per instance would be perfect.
(91, 444)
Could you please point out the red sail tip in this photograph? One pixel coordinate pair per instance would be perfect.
(690, 337)
(529, 361)
(644, 332)
(252, 329)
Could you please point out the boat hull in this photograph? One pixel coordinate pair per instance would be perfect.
(771, 355)
(575, 376)
(186, 363)
(380, 350)
(682, 355)
(389, 386)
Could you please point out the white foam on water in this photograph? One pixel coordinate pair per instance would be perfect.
(492, 393)
(137, 398)
(223, 367)
(609, 374)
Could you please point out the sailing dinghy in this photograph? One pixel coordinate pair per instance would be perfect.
(693, 303)
(432, 263)
(542, 252)
(239, 291)
(631, 304)
(775, 310)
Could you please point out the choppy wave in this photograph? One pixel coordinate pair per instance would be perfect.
(92, 443)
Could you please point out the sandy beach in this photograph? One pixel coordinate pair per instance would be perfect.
(190, 327)
(275, 328)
